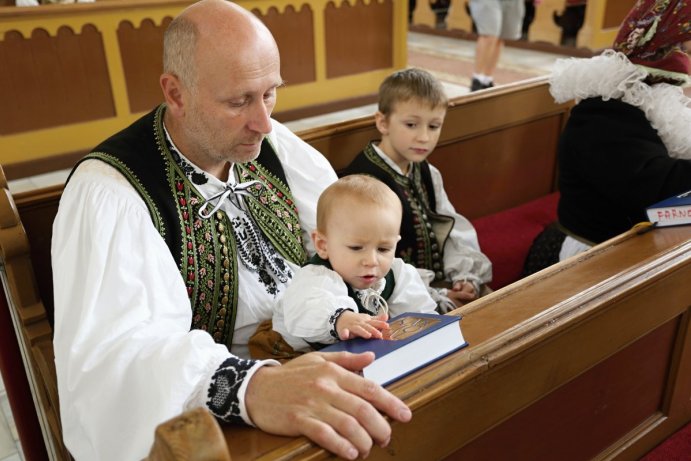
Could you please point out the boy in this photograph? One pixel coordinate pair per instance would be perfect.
(354, 282)
(434, 238)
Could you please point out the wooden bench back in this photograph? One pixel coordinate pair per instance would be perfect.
(29, 315)
(497, 148)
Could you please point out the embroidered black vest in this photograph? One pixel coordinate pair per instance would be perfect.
(204, 249)
(423, 230)
(386, 293)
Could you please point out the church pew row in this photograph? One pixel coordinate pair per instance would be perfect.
(588, 359)
(511, 154)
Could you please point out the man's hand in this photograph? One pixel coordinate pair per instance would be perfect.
(352, 324)
(316, 395)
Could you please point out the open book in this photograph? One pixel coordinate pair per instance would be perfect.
(413, 341)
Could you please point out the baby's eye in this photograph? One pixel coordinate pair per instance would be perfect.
(410, 125)
(434, 127)
(354, 247)
(384, 250)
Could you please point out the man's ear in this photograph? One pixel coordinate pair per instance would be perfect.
(172, 93)
(382, 123)
(320, 244)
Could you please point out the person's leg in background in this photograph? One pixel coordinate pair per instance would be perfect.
(486, 15)
(496, 21)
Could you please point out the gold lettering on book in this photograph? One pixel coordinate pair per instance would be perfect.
(407, 326)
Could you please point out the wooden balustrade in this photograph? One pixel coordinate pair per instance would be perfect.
(70, 75)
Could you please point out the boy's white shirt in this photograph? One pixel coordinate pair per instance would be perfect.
(462, 255)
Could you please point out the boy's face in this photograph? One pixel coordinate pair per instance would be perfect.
(360, 241)
(410, 132)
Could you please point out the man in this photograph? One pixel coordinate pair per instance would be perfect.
(172, 241)
(496, 21)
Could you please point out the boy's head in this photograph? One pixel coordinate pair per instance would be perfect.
(358, 227)
(412, 107)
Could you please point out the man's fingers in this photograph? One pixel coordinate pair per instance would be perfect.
(323, 433)
(367, 389)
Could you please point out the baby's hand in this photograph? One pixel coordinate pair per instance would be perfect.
(351, 324)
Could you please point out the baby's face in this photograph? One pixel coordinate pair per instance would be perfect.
(410, 132)
(361, 242)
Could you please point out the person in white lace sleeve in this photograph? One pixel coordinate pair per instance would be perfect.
(627, 142)
(173, 240)
(353, 283)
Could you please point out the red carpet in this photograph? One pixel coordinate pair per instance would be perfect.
(675, 448)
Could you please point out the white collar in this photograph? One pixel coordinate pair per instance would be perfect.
(612, 76)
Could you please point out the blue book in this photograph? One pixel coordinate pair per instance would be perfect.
(413, 341)
(674, 211)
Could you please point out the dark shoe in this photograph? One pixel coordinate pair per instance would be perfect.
(476, 85)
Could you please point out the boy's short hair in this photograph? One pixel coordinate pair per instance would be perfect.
(356, 187)
(407, 84)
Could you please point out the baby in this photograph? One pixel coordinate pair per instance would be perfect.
(354, 282)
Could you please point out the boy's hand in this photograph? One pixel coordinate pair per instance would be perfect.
(462, 292)
(351, 324)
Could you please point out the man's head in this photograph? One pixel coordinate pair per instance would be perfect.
(358, 227)
(412, 107)
(221, 72)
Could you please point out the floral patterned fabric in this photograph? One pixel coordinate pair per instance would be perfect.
(652, 35)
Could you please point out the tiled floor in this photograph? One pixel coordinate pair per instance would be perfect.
(447, 58)
(9, 440)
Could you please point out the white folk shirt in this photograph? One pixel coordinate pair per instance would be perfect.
(125, 357)
(304, 312)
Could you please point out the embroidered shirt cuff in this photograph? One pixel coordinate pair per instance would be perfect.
(332, 322)
(226, 392)
(245, 382)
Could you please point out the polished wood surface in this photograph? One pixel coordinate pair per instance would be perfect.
(590, 358)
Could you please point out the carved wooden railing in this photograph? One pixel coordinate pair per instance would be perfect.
(70, 75)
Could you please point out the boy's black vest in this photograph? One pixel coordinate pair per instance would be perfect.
(423, 230)
(204, 249)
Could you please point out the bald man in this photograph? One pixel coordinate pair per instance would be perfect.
(174, 238)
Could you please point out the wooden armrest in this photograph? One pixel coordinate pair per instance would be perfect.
(193, 436)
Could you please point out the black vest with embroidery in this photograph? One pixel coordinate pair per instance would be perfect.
(386, 293)
(204, 249)
(423, 230)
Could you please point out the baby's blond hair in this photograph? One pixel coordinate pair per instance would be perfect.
(358, 188)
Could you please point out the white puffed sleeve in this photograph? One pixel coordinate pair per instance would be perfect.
(304, 312)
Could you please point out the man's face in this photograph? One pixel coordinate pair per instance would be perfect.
(228, 108)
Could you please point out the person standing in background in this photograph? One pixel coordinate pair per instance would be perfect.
(496, 21)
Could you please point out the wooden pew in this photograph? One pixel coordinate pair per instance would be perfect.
(481, 136)
(589, 359)
(600, 27)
